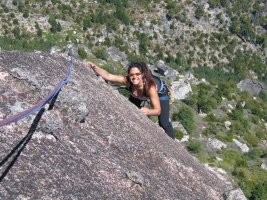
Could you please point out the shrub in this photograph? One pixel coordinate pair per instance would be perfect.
(263, 95)
(247, 187)
(231, 156)
(212, 102)
(260, 191)
(253, 154)
(251, 139)
(199, 12)
(186, 117)
(15, 21)
(108, 68)
(228, 138)
(178, 134)
(254, 119)
(241, 163)
(4, 26)
(126, 93)
(194, 147)
(264, 153)
(82, 53)
(224, 109)
(211, 118)
(206, 132)
(241, 173)
(26, 13)
(16, 31)
(213, 129)
(100, 53)
(260, 134)
(245, 95)
(237, 128)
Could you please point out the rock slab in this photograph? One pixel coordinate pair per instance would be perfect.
(93, 144)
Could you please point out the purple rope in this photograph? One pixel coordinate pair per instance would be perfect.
(41, 103)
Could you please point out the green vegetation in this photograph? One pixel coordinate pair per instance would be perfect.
(194, 147)
(178, 134)
(22, 44)
(82, 53)
(186, 117)
(100, 53)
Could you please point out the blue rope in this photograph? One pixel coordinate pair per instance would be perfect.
(41, 103)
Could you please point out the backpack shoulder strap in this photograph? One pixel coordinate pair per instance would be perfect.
(161, 84)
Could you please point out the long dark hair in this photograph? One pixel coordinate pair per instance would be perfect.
(147, 77)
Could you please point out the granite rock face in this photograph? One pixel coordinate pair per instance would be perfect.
(93, 144)
(252, 86)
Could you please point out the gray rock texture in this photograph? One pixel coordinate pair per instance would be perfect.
(216, 144)
(181, 88)
(252, 86)
(93, 144)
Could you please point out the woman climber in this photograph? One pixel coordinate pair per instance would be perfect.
(141, 86)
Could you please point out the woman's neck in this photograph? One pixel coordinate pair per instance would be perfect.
(138, 90)
(138, 87)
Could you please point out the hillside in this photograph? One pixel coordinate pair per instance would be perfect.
(183, 33)
(221, 43)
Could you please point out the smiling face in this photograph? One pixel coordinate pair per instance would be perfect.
(136, 76)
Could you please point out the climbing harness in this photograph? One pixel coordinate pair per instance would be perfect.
(41, 103)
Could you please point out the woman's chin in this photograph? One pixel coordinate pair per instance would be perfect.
(135, 82)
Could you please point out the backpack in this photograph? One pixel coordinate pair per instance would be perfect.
(162, 86)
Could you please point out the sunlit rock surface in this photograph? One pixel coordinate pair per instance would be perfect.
(93, 144)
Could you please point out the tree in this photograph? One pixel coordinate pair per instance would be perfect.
(143, 42)
(100, 53)
(39, 32)
(218, 95)
(15, 21)
(234, 27)
(237, 113)
(16, 31)
(186, 117)
(86, 24)
(107, 41)
(122, 15)
(118, 41)
(201, 100)
(55, 26)
(212, 102)
(263, 95)
(225, 3)
(15, 2)
(6, 9)
(199, 12)
(26, 13)
(112, 25)
(59, 27)
(214, 3)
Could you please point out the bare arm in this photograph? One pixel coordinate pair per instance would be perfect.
(154, 97)
(105, 75)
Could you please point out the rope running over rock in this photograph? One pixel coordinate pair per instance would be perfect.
(41, 103)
